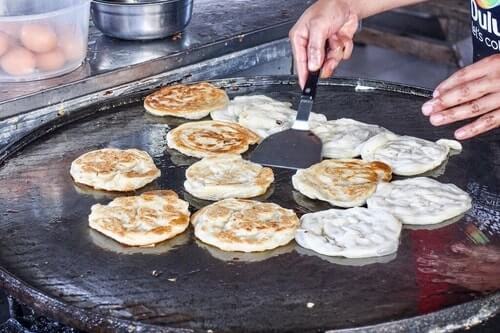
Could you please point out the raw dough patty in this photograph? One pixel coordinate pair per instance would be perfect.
(113, 169)
(344, 138)
(407, 155)
(261, 114)
(351, 233)
(420, 200)
(245, 225)
(227, 176)
(147, 219)
(193, 101)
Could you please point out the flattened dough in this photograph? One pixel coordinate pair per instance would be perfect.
(142, 220)
(227, 176)
(351, 233)
(342, 183)
(407, 155)
(421, 200)
(245, 225)
(344, 138)
(193, 101)
(210, 138)
(261, 114)
(113, 169)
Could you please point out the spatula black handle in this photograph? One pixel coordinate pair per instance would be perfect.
(309, 90)
(306, 102)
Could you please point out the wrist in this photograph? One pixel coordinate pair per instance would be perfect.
(364, 8)
(355, 8)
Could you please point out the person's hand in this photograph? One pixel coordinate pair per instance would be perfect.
(471, 92)
(327, 27)
(473, 267)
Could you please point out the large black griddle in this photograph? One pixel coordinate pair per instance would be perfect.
(50, 260)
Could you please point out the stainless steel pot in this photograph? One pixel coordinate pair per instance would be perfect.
(141, 19)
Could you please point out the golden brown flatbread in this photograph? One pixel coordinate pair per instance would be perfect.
(142, 220)
(113, 169)
(245, 225)
(227, 176)
(342, 183)
(210, 138)
(194, 101)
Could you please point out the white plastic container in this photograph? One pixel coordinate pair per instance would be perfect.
(40, 39)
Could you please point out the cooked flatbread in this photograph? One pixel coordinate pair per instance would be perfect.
(113, 169)
(227, 176)
(142, 220)
(351, 233)
(342, 183)
(210, 138)
(194, 101)
(420, 200)
(261, 114)
(245, 225)
(344, 138)
(407, 155)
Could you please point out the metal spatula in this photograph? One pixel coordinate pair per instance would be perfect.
(298, 147)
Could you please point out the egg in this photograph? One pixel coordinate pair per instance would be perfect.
(18, 61)
(4, 43)
(50, 61)
(38, 37)
(73, 46)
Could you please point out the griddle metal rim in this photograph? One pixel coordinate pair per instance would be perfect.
(465, 313)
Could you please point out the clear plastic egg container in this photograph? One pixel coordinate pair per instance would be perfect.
(42, 39)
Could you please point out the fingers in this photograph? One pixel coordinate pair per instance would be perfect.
(348, 48)
(325, 23)
(463, 93)
(469, 73)
(333, 57)
(347, 34)
(467, 110)
(484, 124)
(323, 20)
(317, 43)
(298, 39)
(473, 91)
(340, 48)
(328, 68)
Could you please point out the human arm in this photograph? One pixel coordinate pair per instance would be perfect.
(323, 36)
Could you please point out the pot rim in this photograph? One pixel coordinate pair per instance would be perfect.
(122, 3)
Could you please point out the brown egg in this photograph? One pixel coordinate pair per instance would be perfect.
(50, 61)
(73, 46)
(18, 61)
(38, 37)
(4, 43)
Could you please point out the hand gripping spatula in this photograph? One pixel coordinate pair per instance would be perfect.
(298, 147)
